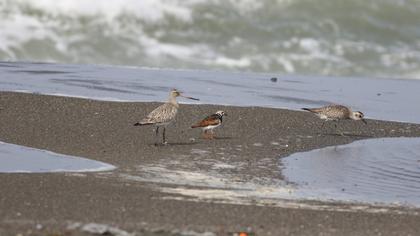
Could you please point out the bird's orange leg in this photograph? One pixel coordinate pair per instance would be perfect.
(206, 134)
(212, 135)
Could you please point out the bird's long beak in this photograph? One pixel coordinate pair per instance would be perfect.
(364, 121)
(196, 99)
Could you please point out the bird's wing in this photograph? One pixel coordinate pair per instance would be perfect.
(335, 107)
(162, 114)
(339, 110)
(209, 120)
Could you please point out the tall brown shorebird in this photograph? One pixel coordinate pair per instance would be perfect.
(336, 113)
(209, 123)
(164, 114)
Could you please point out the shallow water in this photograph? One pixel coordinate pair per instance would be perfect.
(370, 171)
(21, 159)
(385, 99)
(206, 178)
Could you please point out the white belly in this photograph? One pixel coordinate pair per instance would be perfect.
(210, 127)
(323, 117)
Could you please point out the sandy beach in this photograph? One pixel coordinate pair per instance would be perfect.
(61, 203)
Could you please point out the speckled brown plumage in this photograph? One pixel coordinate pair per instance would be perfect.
(331, 112)
(336, 113)
(164, 114)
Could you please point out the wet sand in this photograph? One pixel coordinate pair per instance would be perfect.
(103, 131)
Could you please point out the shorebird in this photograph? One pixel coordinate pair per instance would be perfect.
(164, 114)
(209, 123)
(336, 113)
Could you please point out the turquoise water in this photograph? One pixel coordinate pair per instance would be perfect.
(306, 37)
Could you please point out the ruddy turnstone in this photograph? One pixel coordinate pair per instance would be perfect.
(209, 123)
(336, 113)
(164, 114)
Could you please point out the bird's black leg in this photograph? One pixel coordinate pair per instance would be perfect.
(156, 136)
(336, 128)
(164, 135)
(322, 126)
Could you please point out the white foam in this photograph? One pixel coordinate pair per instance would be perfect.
(99, 229)
(235, 197)
(223, 165)
(150, 10)
(142, 33)
(230, 62)
(18, 29)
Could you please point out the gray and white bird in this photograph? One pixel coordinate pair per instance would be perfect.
(209, 123)
(336, 113)
(164, 114)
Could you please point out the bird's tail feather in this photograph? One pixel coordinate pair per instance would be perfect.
(142, 123)
(197, 126)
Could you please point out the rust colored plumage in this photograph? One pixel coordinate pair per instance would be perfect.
(213, 119)
(209, 123)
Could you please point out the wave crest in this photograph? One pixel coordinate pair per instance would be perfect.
(318, 37)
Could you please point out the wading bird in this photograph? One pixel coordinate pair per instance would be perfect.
(209, 123)
(336, 113)
(164, 114)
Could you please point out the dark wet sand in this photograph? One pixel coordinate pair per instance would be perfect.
(103, 131)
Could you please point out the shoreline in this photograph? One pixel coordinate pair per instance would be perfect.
(103, 131)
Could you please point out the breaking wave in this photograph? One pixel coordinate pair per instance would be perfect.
(312, 37)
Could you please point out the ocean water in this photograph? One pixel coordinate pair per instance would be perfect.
(354, 38)
(386, 99)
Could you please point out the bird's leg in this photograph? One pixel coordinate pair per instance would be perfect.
(212, 134)
(164, 135)
(336, 128)
(322, 126)
(206, 134)
(156, 135)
